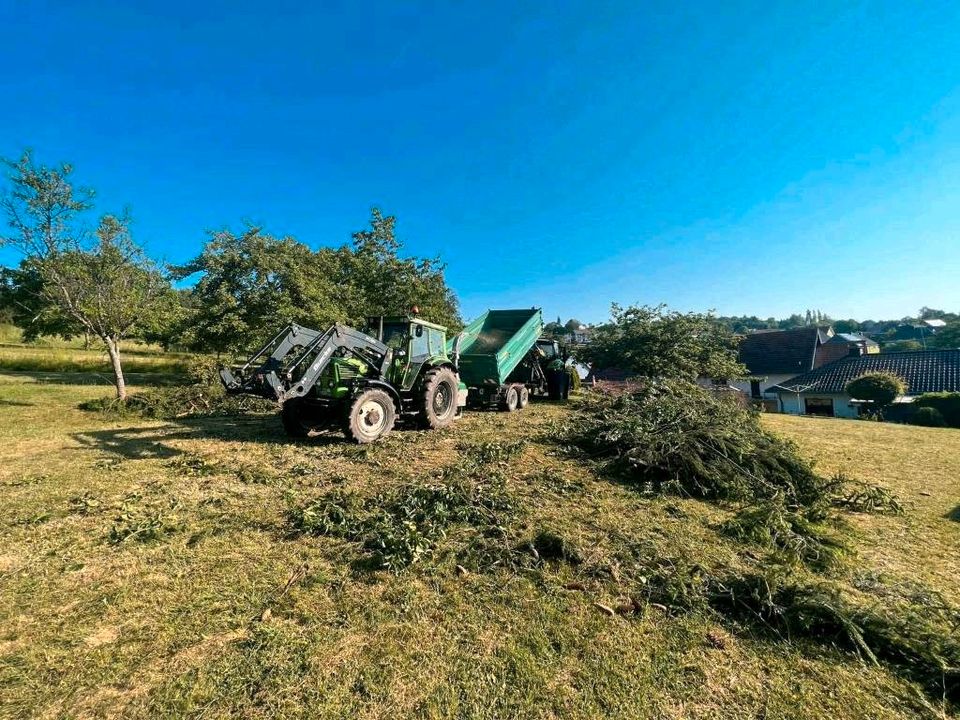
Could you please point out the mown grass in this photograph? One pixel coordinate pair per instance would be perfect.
(71, 360)
(55, 355)
(164, 569)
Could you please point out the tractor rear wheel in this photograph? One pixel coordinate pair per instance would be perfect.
(294, 418)
(439, 398)
(511, 399)
(523, 398)
(370, 416)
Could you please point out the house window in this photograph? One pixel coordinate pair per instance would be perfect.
(755, 389)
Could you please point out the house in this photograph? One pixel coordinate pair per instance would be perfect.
(821, 391)
(917, 332)
(844, 345)
(581, 336)
(773, 356)
(777, 355)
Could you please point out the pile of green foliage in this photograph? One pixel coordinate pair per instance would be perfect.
(673, 436)
(938, 409)
(911, 629)
(400, 527)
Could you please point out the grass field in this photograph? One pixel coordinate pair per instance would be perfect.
(69, 356)
(152, 569)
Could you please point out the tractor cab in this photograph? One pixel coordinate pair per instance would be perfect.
(414, 343)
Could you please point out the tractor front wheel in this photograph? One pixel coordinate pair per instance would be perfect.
(439, 398)
(370, 416)
(293, 416)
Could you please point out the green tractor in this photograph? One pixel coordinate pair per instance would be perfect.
(361, 381)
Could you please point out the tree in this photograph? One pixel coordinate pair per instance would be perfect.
(947, 337)
(846, 326)
(655, 342)
(572, 325)
(250, 284)
(387, 284)
(67, 284)
(902, 346)
(878, 388)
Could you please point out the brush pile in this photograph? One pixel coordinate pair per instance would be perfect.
(673, 436)
(202, 396)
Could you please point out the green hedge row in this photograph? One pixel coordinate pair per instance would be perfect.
(938, 409)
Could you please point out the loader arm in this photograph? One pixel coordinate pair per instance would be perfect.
(280, 377)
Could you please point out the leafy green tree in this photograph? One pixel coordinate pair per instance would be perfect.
(902, 346)
(947, 337)
(656, 342)
(846, 326)
(384, 283)
(878, 388)
(252, 283)
(66, 283)
(572, 325)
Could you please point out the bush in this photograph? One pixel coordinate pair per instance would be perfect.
(878, 388)
(946, 403)
(928, 417)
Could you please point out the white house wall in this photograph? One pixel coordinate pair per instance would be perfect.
(842, 407)
(765, 385)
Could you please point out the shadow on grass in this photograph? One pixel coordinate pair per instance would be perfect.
(137, 442)
(954, 514)
(93, 378)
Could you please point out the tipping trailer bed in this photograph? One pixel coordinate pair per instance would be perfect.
(492, 346)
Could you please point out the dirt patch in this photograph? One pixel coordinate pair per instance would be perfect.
(102, 636)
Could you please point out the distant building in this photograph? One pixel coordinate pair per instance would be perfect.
(581, 336)
(844, 345)
(772, 356)
(822, 391)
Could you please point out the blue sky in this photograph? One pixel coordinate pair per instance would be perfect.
(756, 158)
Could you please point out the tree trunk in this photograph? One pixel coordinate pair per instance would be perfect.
(113, 349)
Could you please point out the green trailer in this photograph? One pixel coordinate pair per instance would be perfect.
(503, 360)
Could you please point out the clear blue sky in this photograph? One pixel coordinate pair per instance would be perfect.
(750, 157)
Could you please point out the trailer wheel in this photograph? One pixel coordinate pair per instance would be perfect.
(293, 417)
(523, 397)
(370, 416)
(511, 399)
(439, 398)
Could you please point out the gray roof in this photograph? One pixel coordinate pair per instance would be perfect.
(852, 338)
(780, 351)
(923, 371)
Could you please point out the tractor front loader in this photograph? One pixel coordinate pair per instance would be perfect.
(362, 381)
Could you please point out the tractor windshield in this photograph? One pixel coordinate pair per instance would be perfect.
(395, 335)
